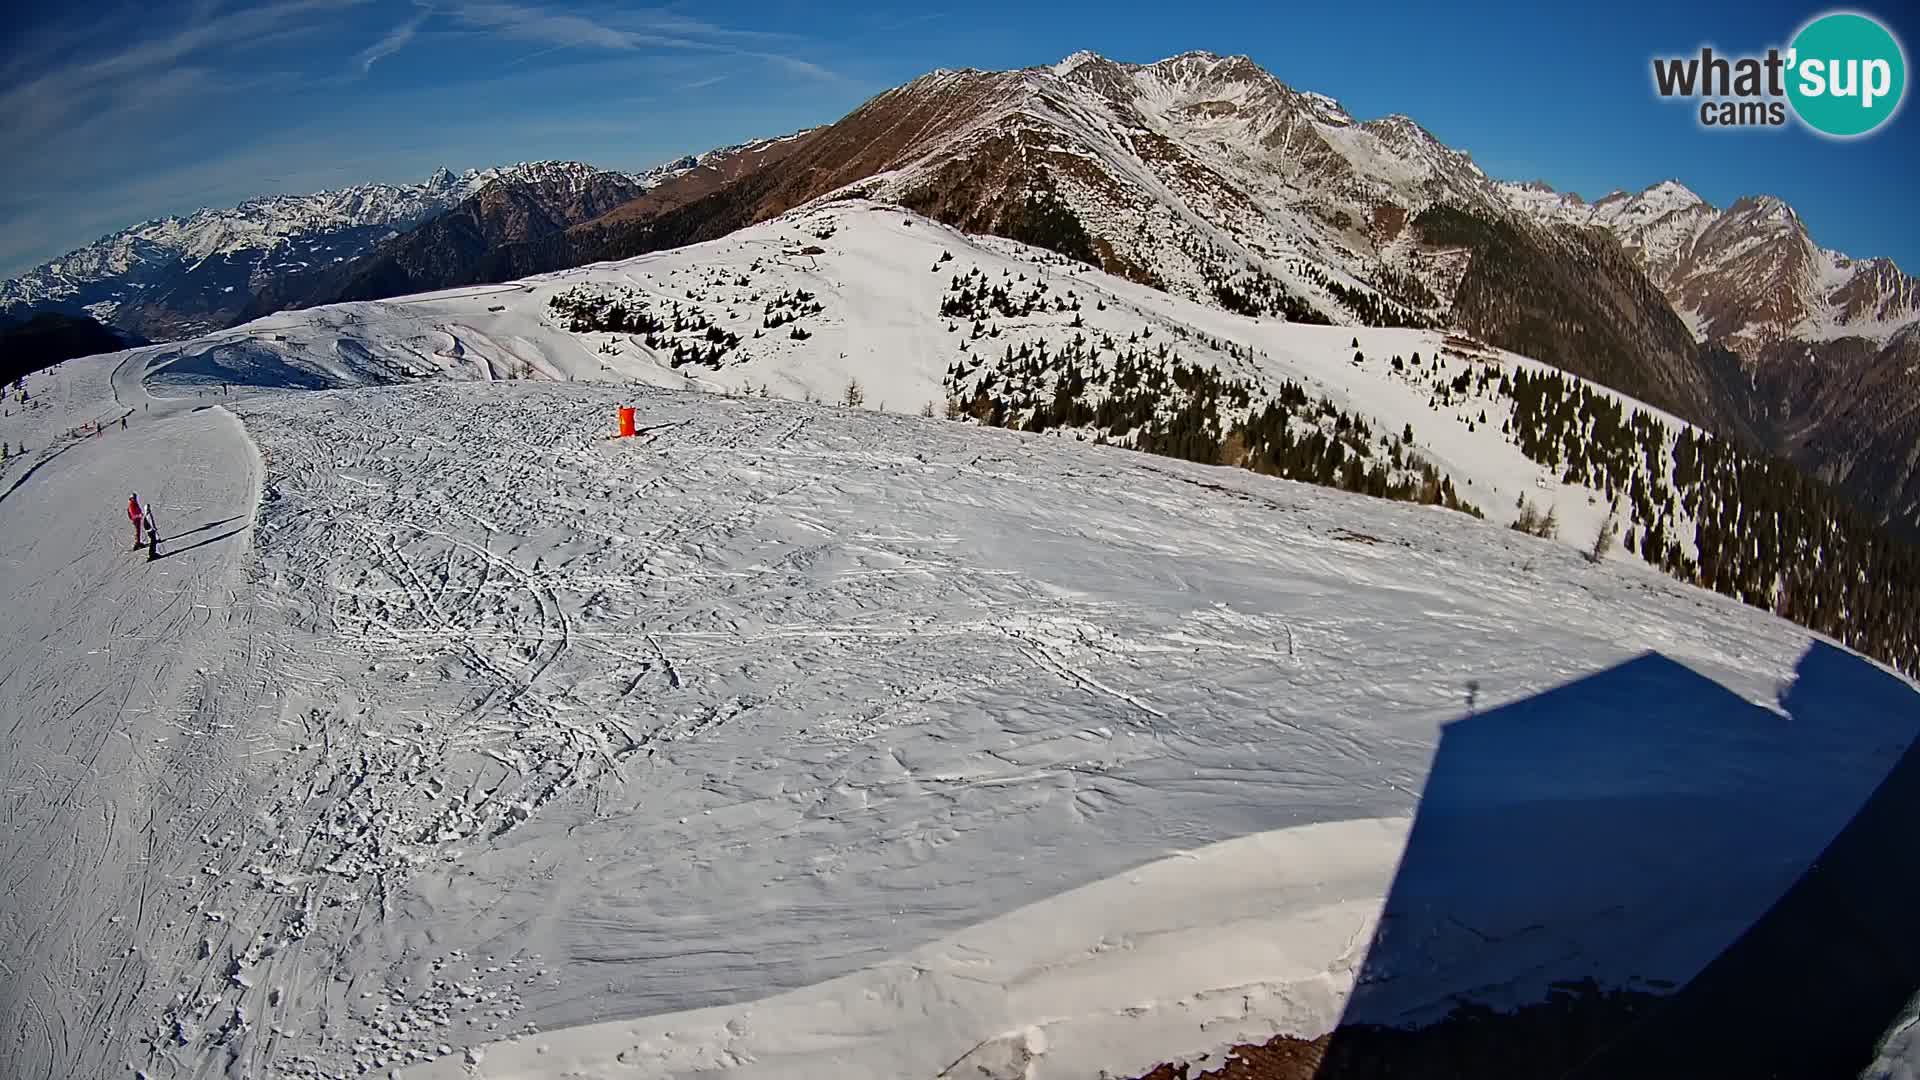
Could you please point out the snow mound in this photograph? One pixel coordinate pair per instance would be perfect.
(1239, 939)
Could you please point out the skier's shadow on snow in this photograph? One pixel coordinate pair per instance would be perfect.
(203, 528)
(167, 552)
(1644, 874)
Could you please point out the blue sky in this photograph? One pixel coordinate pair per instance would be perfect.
(113, 114)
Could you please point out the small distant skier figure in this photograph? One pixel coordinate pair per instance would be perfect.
(134, 515)
(153, 537)
(123, 423)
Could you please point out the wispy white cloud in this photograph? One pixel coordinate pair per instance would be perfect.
(627, 32)
(671, 22)
(795, 65)
(396, 39)
(120, 79)
(561, 28)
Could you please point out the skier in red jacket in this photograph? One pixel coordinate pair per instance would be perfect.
(134, 515)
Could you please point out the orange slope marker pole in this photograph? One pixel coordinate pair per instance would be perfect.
(626, 422)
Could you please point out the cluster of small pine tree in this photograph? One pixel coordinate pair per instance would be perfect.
(1151, 399)
(1317, 442)
(1255, 292)
(1404, 288)
(973, 296)
(687, 334)
(789, 306)
(1587, 437)
(1771, 536)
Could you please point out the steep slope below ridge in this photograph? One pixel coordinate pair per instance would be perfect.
(1574, 299)
(45, 339)
(1849, 413)
(1097, 123)
(553, 723)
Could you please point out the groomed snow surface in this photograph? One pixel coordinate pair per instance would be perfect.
(449, 736)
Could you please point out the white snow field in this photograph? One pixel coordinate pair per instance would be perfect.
(451, 737)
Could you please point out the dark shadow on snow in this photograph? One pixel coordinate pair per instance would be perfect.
(34, 468)
(246, 363)
(202, 528)
(1642, 874)
(168, 553)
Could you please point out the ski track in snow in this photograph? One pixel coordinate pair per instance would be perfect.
(457, 719)
(123, 684)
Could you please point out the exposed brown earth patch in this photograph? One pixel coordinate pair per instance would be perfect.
(1389, 221)
(1474, 1043)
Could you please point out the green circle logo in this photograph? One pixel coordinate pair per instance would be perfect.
(1847, 74)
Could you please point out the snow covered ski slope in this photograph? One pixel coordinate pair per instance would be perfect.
(854, 291)
(792, 740)
(122, 681)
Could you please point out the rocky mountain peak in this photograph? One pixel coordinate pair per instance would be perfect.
(1213, 65)
(1672, 193)
(1764, 211)
(1076, 61)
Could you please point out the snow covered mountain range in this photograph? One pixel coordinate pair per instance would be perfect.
(178, 276)
(464, 245)
(1747, 276)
